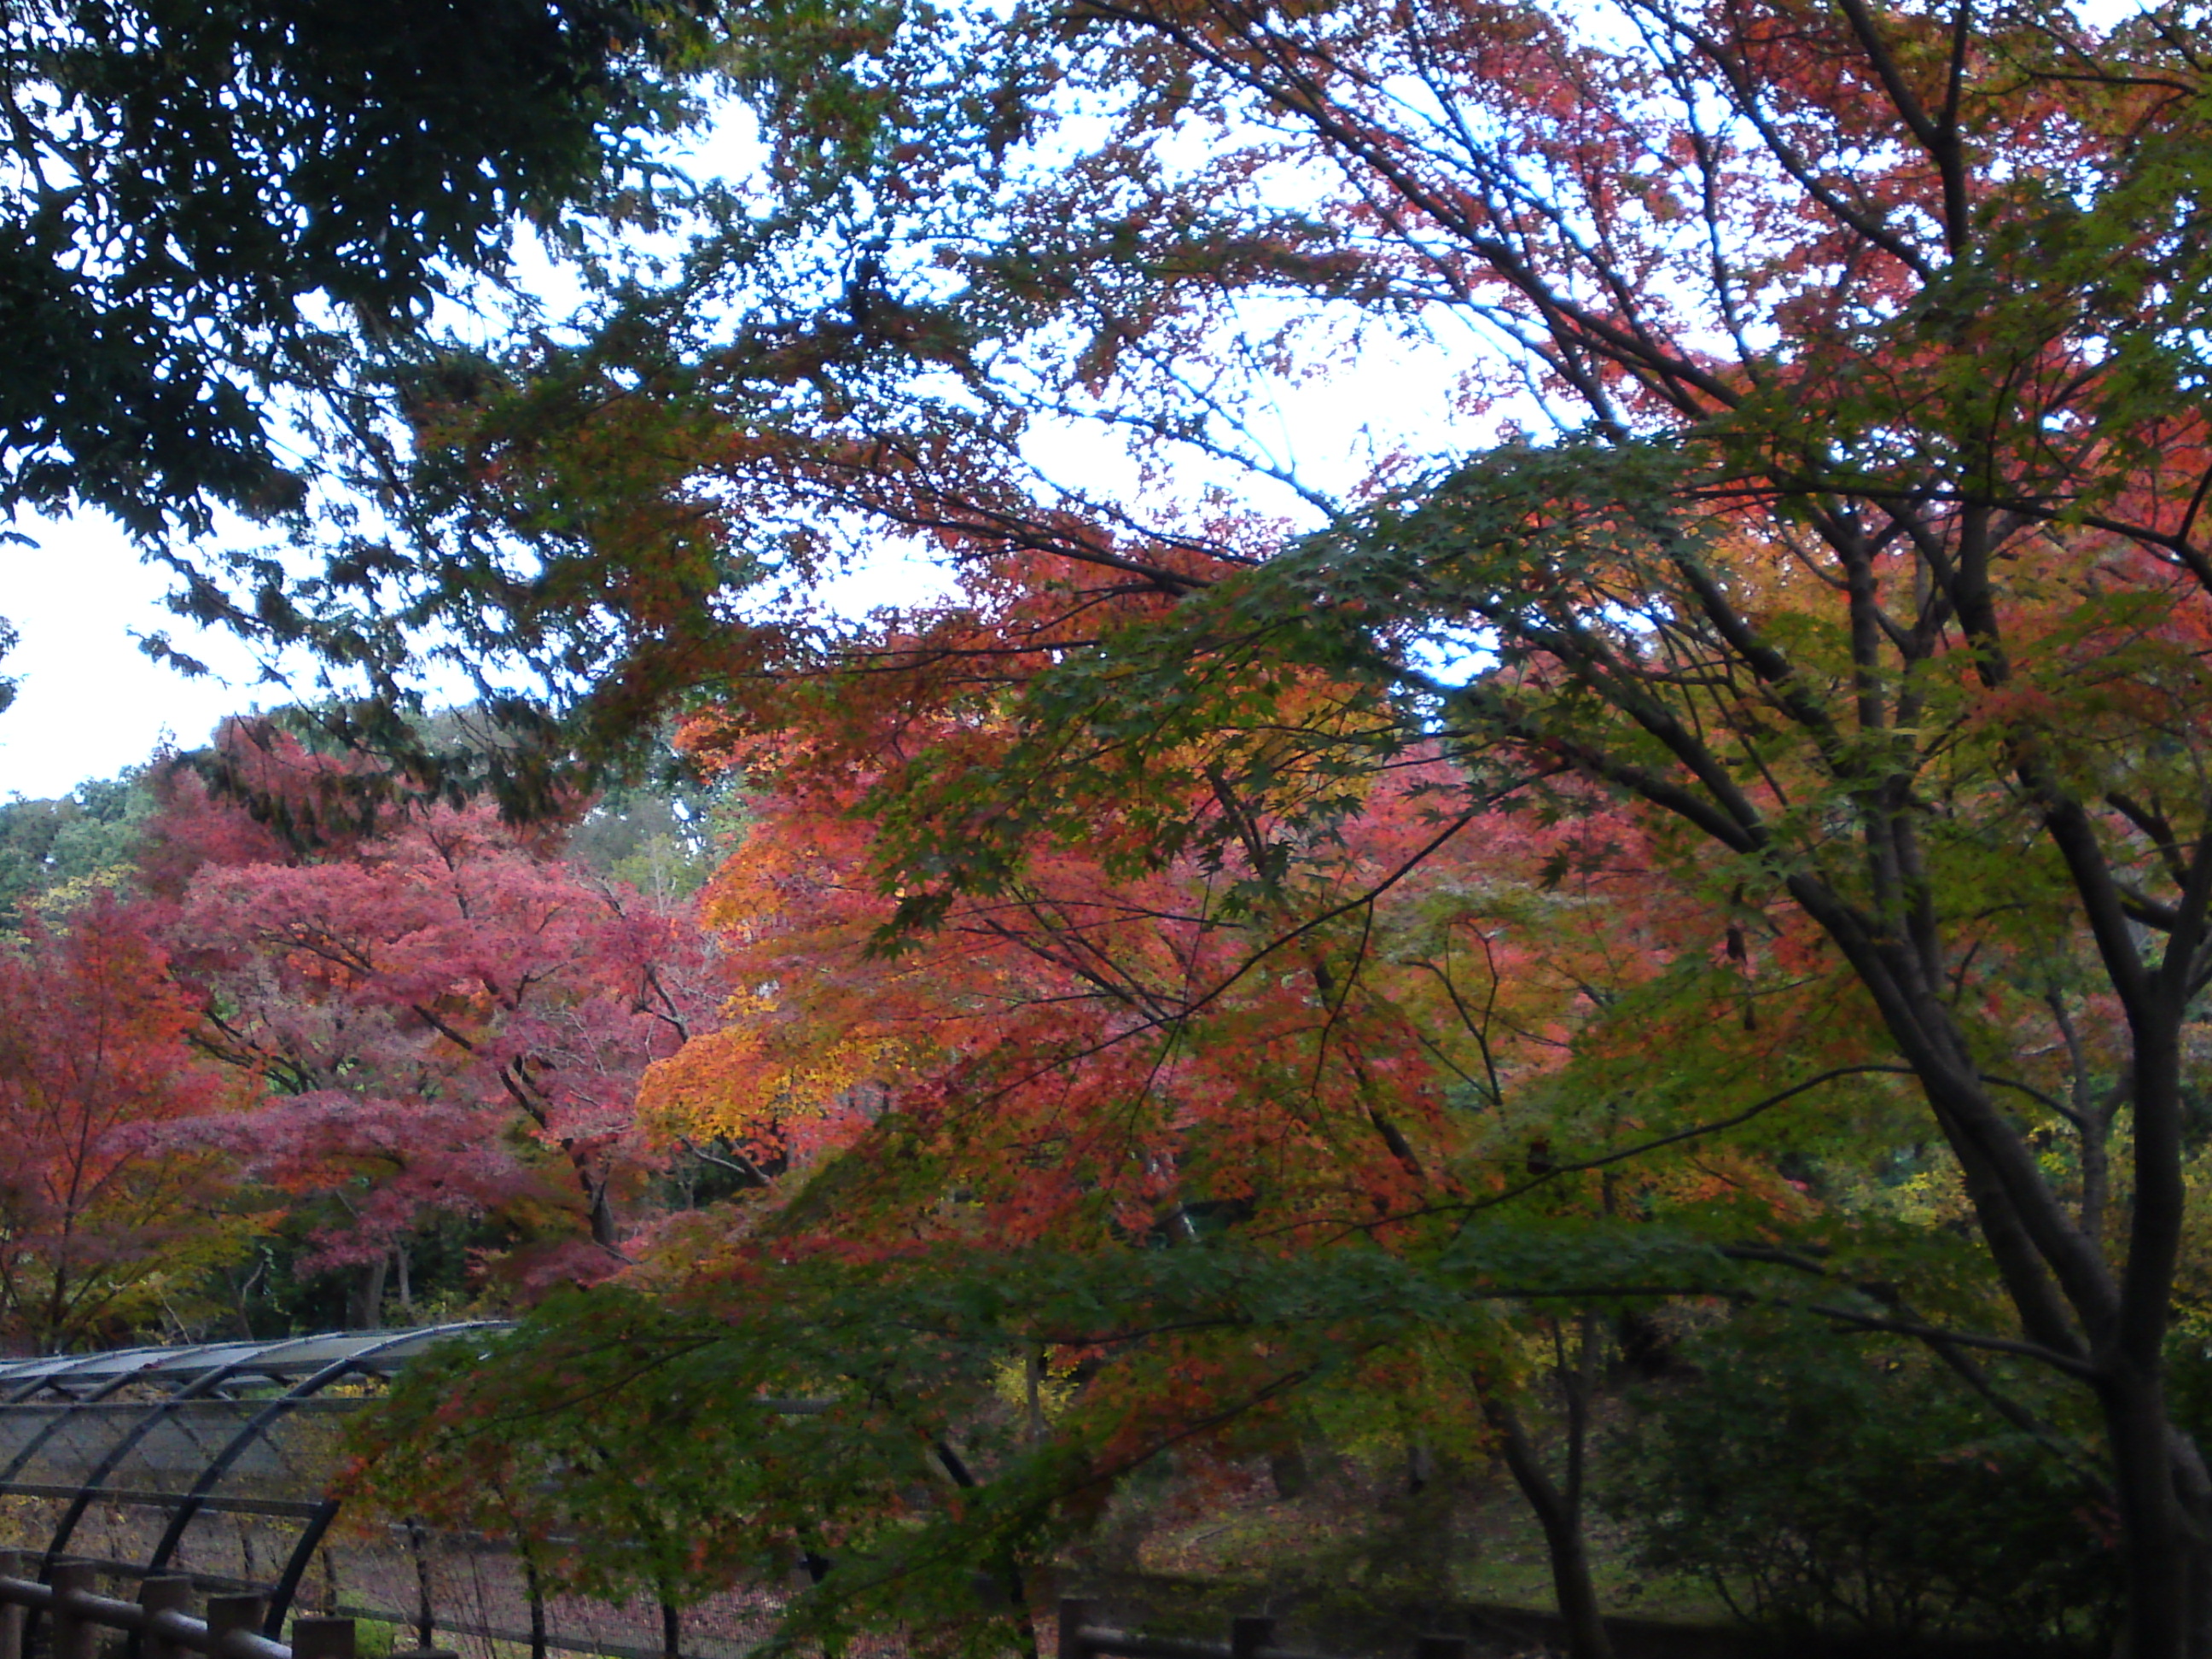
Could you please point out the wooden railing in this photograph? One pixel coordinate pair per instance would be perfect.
(76, 1615)
(1248, 1638)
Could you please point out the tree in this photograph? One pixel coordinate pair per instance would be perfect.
(236, 237)
(989, 1139)
(442, 1013)
(1730, 1481)
(206, 203)
(259, 1003)
(1856, 563)
(111, 1214)
(89, 837)
(662, 842)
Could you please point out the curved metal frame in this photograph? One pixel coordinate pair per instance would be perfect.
(44, 1376)
(156, 1414)
(128, 1415)
(77, 1403)
(200, 1371)
(287, 1582)
(296, 1568)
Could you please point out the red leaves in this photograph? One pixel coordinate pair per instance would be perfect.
(444, 1018)
(102, 1198)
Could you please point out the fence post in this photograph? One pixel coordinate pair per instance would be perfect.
(1247, 1635)
(1074, 1613)
(73, 1637)
(226, 1613)
(314, 1638)
(423, 1622)
(171, 1593)
(1440, 1647)
(13, 1564)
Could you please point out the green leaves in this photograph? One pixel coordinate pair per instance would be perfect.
(1819, 1483)
(860, 1411)
(870, 1410)
(204, 173)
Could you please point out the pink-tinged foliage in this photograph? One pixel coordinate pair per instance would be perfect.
(443, 1016)
(103, 1206)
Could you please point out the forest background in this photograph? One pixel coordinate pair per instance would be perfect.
(1649, 936)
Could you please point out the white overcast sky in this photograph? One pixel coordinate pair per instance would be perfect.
(89, 703)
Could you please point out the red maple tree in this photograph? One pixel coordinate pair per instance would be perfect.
(109, 1214)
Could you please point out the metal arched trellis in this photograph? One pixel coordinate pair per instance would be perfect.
(216, 1461)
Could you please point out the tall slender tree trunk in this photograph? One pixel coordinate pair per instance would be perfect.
(2158, 1474)
(605, 1232)
(1563, 1537)
(1558, 1504)
(2162, 1548)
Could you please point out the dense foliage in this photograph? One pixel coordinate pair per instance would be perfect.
(1817, 1485)
(1800, 571)
(267, 1072)
(1690, 855)
(204, 204)
(229, 230)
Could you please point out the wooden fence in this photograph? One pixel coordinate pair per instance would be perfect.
(1248, 1638)
(76, 1616)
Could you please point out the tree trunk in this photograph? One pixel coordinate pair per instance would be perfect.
(2106, 1324)
(1559, 1514)
(366, 1295)
(2165, 1499)
(2156, 1554)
